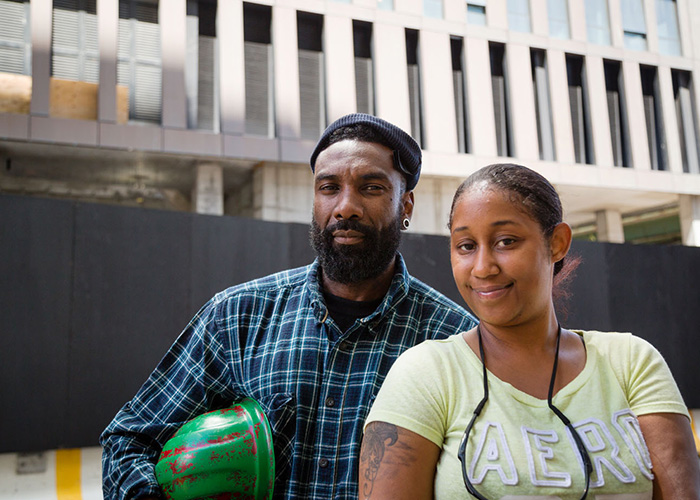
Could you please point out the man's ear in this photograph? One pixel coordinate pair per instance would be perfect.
(560, 242)
(407, 201)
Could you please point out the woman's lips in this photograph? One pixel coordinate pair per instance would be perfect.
(491, 292)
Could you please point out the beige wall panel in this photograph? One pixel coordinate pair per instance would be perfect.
(600, 126)
(296, 150)
(615, 17)
(391, 74)
(340, 67)
(521, 99)
(192, 142)
(172, 16)
(254, 148)
(481, 120)
(539, 19)
(652, 25)
(668, 107)
(108, 32)
(497, 14)
(561, 109)
(14, 126)
(286, 67)
(455, 10)
(413, 7)
(40, 18)
(136, 137)
(690, 220)
(438, 94)
(577, 20)
(689, 23)
(15, 93)
(79, 132)
(635, 116)
(229, 20)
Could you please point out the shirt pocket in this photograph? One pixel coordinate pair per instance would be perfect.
(281, 413)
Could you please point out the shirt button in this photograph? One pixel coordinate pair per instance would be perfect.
(330, 402)
(323, 463)
(345, 345)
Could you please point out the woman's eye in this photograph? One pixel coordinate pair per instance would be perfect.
(467, 247)
(505, 242)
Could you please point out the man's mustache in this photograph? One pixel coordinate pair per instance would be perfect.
(348, 225)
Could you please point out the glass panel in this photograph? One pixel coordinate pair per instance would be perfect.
(667, 18)
(558, 19)
(635, 41)
(432, 8)
(597, 24)
(385, 4)
(476, 14)
(519, 15)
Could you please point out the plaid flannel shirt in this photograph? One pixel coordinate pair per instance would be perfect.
(272, 340)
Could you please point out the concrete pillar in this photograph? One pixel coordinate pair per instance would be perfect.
(40, 19)
(480, 97)
(340, 66)
(609, 226)
(108, 32)
(690, 219)
(173, 26)
(208, 190)
(391, 77)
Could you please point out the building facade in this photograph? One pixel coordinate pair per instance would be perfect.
(215, 107)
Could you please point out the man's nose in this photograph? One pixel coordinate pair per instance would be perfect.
(349, 205)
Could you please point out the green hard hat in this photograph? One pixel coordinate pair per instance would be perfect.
(221, 454)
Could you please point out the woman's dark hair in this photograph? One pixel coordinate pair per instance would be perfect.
(538, 197)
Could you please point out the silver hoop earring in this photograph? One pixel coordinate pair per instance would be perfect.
(406, 223)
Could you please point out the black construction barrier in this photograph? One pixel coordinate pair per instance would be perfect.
(93, 295)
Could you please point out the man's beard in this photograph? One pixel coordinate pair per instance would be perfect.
(348, 264)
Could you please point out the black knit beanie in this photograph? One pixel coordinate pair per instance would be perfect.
(407, 153)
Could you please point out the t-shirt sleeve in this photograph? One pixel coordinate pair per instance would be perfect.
(413, 394)
(650, 384)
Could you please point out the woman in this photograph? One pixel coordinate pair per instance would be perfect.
(520, 408)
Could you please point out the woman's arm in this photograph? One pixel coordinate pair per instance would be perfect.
(396, 464)
(673, 456)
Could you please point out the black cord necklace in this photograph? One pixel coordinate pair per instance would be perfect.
(577, 439)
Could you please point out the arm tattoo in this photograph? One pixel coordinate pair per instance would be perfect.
(378, 435)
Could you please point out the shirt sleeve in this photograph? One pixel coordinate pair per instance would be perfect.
(413, 394)
(193, 377)
(651, 387)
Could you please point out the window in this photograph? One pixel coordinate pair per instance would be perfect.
(15, 41)
(667, 17)
(432, 8)
(202, 69)
(635, 29)
(558, 13)
(687, 120)
(311, 75)
(543, 111)
(414, 88)
(504, 143)
(580, 113)
(597, 24)
(476, 12)
(460, 90)
(74, 50)
(619, 129)
(385, 4)
(257, 43)
(364, 69)
(653, 115)
(139, 60)
(519, 15)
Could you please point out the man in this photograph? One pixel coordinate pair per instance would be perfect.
(311, 345)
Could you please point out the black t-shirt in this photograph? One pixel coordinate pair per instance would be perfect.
(345, 312)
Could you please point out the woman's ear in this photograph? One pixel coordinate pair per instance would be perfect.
(560, 242)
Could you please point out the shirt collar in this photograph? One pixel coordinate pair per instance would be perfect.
(397, 291)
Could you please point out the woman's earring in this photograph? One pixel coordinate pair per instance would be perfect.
(406, 223)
